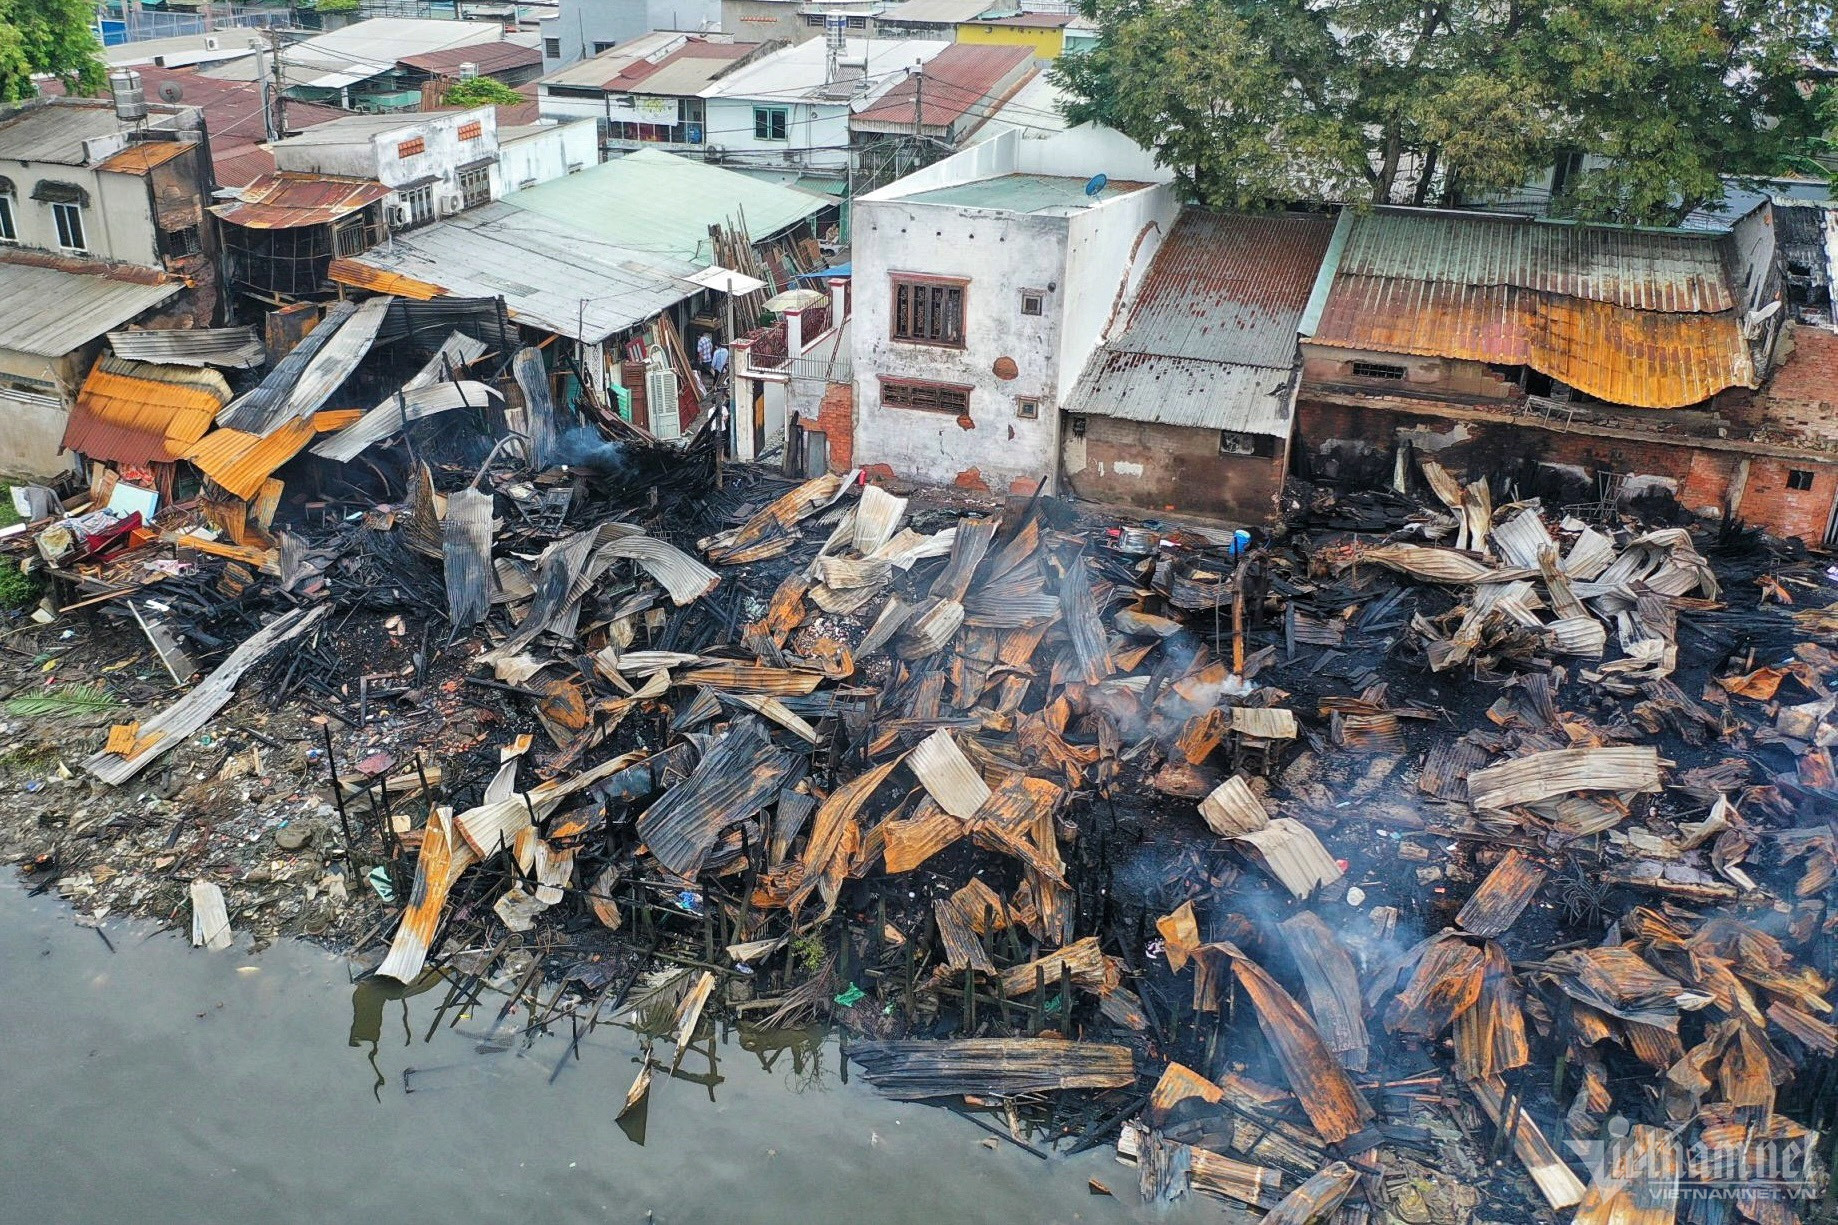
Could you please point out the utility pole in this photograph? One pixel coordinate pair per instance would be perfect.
(918, 100)
(280, 83)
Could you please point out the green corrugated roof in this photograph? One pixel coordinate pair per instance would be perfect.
(654, 201)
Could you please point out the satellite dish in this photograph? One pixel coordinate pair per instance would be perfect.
(172, 91)
(1097, 184)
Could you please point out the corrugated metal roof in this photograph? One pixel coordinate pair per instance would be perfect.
(1209, 340)
(961, 77)
(55, 130)
(935, 12)
(1228, 287)
(1030, 21)
(1644, 269)
(271, 393)
(550, 274)
(322, 374)
(140, 158)
(347, 271)
(650, 200)
(1643, 359)
(49, 311)
(486, 57)
(799, 71)
(240, 462)
(365, 49)
(136, 413)
(232, 348)
(594, 73)
(284, 200)
(684, 74)
(1182, 391)
(242, 166)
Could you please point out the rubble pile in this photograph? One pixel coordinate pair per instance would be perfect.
(1352, 874)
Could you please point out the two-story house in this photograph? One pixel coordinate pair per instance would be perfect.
(982, 284)
(102, 222)
(650, 91)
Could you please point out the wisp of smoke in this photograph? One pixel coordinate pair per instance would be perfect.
(583, 447)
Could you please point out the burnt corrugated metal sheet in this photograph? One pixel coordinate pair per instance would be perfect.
(1209, 339)
(231, 348)
(1640, 358)
(347, 271)
(142, 157)
(284, 201)
(1656, 270)
(738, 777)
(134, 413)
(343, 342)
(240, 461)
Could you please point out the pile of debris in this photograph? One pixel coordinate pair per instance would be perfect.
(1024, 808)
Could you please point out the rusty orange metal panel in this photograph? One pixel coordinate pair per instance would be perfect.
(335, 419)
(285, 201)
(1639, 358)
(240, 462)
(356, 275)
(136, 413)
(138, 159)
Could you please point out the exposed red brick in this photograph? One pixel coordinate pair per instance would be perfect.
(876, 474)
(1022, 487)
(972, 479)
(836, 422)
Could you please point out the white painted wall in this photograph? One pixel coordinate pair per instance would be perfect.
(569, 106)
(536, 157)
(375, 155)
(1000, 254)
(117, 223)
(1108, 251)
(817, 135)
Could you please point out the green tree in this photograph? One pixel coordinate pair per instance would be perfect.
(1417, 101)
(49, 36)
(482, 91)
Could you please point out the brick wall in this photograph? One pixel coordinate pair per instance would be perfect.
(1801, 396)
(1355, 446)
(835, 420)
(1171, 468)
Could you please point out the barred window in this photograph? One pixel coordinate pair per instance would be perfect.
(929, 311)
(932, 397)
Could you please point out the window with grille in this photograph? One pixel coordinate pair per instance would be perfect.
(1377, 370)
(179, 243)
(69, 218)
(933, 397)
(411, 146)
(1027, 408)
(472, 130)
(552, 48)
(929, 311)
(475, 187)
(770, 123)
(420, 203)
(1799, 478)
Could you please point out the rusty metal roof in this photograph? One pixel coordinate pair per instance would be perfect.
(1640, 358)
(347, 271)
(486, 57)
(1659, 270)
(140, 158)
(285, 200)
(959, 79)
(132, 412)
(241, 462)
(1209, 340)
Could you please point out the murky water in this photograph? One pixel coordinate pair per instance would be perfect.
(157, 1083)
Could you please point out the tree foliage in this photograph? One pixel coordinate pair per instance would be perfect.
(1424, 101)
(482, 91)
(48, 36)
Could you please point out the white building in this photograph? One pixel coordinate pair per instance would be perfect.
(648, 92)
(791, 109)
(536, 153)
(434, 164)
(982, 284)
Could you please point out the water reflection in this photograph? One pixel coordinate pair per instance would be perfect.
(368, 1000)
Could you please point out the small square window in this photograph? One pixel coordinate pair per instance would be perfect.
(1033, 302)
(1799, 478)
(1027, 408)
(552, 48)
(411, 146)
(603, 48)
(1078, 425)
(1377, 370)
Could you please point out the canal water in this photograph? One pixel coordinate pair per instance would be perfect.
(156, 1083)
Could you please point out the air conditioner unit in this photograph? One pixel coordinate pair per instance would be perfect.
(399, 214)
(661, 402)
(210, 44)
(451, 202)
